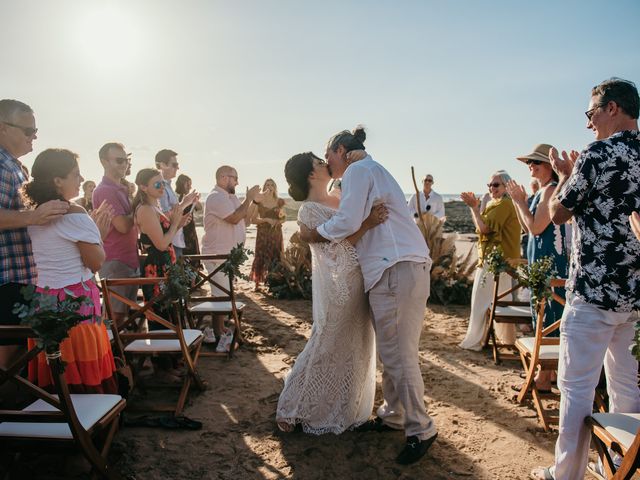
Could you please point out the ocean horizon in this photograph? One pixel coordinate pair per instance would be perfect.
(446, 197)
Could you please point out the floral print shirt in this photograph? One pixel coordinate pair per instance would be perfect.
(602, 191)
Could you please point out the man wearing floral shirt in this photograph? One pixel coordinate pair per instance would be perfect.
(599, 189)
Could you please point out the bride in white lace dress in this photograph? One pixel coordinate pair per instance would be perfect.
(331, 386)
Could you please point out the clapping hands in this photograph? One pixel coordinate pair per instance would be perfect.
(516, 192)
(470, 199)
(102, 216)
(563, 167)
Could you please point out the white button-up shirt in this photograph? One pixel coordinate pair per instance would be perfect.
(433, 205)
(366, 183)
(167, 201)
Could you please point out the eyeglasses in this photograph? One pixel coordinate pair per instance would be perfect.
(428, 180)
(493, 185)
(589, 113)
(28, 131)
(122, 160)
(158, 185)
(533, 162)
(235, 177)
(174, 165)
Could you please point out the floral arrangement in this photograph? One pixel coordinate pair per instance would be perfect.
(49, 317)
(635, 346)
(180, 278)
(537, 277)
(290, 277)
(237, 257)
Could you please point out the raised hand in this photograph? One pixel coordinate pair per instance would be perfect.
(253, 192)
(49, 211)
(634, 221)
(355, 155)
(470, 199)
(516, 192)
(563, 167)
(189, 199)
(102, 216)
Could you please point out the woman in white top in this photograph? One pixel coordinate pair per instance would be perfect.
(67, 251)
(332, 384)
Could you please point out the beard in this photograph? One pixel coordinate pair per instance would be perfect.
(231, 190)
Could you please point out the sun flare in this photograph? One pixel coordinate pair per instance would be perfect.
(108, 34)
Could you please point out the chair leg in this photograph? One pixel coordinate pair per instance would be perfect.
(526, 386)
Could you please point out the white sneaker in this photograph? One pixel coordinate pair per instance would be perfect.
(209, 336)
(224, 344)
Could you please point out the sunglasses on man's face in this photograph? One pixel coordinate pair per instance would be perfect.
(534, 162)
(494, 185)
(28, 131)
(122, 160)
(428, 180)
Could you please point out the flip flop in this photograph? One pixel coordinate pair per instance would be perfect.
(541, 473)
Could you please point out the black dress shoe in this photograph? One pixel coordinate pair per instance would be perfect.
(414, 449)
(374, 425)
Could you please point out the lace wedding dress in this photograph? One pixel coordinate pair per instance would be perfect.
(332, 383)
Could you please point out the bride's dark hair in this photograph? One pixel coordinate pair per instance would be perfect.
(297, 171)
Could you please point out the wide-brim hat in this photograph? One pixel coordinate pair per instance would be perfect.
(540, 153)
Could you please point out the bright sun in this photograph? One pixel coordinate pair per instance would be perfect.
(109, 34)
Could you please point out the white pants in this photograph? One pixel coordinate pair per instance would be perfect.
(481, 297)
(589, 335)
(220, 277)
(397, 304)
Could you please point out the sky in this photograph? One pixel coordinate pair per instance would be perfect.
(457, 89)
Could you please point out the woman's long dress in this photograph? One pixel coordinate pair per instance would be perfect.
(332, 384)
(552, 242)
(269, 244)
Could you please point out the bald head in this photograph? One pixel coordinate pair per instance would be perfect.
(227, 178)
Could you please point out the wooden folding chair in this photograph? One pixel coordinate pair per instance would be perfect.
(84, 423)
(541, 351)
(174, 341)
(505, 311)
(225, 304)
(620, 433)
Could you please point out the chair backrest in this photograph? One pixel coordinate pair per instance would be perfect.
(203, 278)
(172, 318)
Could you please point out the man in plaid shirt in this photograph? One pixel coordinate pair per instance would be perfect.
(17, 268)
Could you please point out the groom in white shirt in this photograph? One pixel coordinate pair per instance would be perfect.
(395, 263)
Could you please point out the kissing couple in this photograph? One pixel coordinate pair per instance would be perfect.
(370, 275)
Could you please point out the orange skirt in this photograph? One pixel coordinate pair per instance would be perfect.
(86, 352)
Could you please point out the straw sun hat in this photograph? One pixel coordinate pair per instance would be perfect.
(540, 153)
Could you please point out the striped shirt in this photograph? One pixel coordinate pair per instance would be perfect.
(16, 258)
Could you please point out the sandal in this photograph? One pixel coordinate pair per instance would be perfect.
(541, 473)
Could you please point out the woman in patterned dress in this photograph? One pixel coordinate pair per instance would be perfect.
(77, 242)
(269, 216)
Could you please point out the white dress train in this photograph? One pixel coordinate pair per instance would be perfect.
(332, 384)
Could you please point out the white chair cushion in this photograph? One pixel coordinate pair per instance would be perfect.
(145, 345)
(513, 311)
(90, 408)
(622, 426)
(215, 307)
(547, 352)
(110, 334)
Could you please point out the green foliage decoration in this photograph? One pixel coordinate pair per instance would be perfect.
(237, 257)
(537, 277)
(49, 317)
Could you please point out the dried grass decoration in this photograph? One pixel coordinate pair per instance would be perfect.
(290, 277)
(49, 317)
(451, 280)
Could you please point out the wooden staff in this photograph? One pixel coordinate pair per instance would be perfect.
(415, 186)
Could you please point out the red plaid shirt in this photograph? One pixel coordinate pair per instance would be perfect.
(16, 258)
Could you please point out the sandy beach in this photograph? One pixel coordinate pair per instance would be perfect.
(482, 434)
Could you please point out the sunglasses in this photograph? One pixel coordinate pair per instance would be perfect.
(428, 180)
(174, 165)
(493, 185)
(534, 162)
(28, 131)
(122, 160)
(158, 185)
(591, 112)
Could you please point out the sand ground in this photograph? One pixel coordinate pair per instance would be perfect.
(482, 433)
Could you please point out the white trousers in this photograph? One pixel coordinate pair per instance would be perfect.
(481, 297)
(397, 304)
(589, 336)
